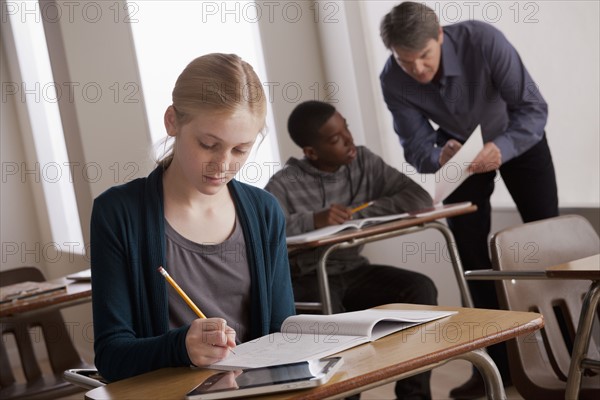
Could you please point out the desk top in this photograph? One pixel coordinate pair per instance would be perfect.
(372, 230)
(584, 268)
(396, 356)
(76, 293)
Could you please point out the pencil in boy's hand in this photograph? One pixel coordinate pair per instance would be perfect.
(361, 207)
(181, 293)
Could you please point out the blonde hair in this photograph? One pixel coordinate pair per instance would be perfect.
(216, 83)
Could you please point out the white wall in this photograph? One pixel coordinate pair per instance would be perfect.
(293, 64)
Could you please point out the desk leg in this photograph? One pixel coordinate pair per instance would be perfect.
(456, 263)
(582, 340)
(491, 376)
(324, 280)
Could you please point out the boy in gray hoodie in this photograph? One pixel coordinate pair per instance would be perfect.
(319, 190)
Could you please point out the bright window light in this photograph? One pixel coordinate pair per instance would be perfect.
(51, 166)
(169, 34)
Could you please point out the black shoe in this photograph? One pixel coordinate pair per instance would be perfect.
(472, 389)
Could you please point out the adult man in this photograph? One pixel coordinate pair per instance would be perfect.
(461, 76)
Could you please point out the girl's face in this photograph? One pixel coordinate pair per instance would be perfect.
(211, 148)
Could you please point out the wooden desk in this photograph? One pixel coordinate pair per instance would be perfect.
(77, 293)
(403, 354)
(585, 268)
(352, 238)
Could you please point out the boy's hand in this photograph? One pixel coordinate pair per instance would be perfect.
(335, 215)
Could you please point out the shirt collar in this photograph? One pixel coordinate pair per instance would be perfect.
(450, 63)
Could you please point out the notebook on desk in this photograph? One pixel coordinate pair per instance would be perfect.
(350, 224)
(81, 276)
(363, 222)
(308, 336)
(26, 291)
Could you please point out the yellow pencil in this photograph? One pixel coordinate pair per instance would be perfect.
(184, 296)
(361, 207)
(181, 293)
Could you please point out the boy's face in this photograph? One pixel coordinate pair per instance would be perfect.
(333, 146)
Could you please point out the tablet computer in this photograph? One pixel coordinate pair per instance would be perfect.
(255, 381)
(83, 377)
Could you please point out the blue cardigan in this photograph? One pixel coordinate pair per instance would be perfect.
(129, 296)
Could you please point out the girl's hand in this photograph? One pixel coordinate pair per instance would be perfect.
(208, 341)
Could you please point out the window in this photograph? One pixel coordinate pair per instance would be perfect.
(36, 90)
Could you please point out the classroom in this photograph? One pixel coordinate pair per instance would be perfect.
(85, 85)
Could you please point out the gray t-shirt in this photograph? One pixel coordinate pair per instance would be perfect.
(216, 278)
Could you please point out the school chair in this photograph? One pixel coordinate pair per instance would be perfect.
(539, 364)
(61, 352)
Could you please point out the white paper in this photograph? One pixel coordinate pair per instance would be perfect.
(454, 172)
(308, 336)
(333, 229)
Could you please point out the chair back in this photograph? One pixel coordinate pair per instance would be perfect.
(540, 362)
(62, 354)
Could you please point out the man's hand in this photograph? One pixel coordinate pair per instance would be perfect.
(488, 159)
(449, 150)
(334, 215)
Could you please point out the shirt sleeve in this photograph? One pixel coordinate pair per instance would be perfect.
(120, 352)
(527, 109)
(417, 135)
(282, 302)
(396, 194)
(297, 222)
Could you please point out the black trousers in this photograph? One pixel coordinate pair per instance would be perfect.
(370, 286)
(531, 181)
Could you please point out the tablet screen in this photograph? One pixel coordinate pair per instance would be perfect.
(281, 377)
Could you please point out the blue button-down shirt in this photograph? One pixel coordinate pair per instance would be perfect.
(483, 82)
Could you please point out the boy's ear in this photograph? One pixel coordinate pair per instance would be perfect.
(310, 153)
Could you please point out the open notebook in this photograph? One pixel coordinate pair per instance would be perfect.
(350, 224)
(361, 223)
(304, 337)
(26, 291)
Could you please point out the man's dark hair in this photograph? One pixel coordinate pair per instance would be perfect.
(409, 26)
(306, 120)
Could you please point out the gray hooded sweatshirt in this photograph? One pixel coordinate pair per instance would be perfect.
(303, 190)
